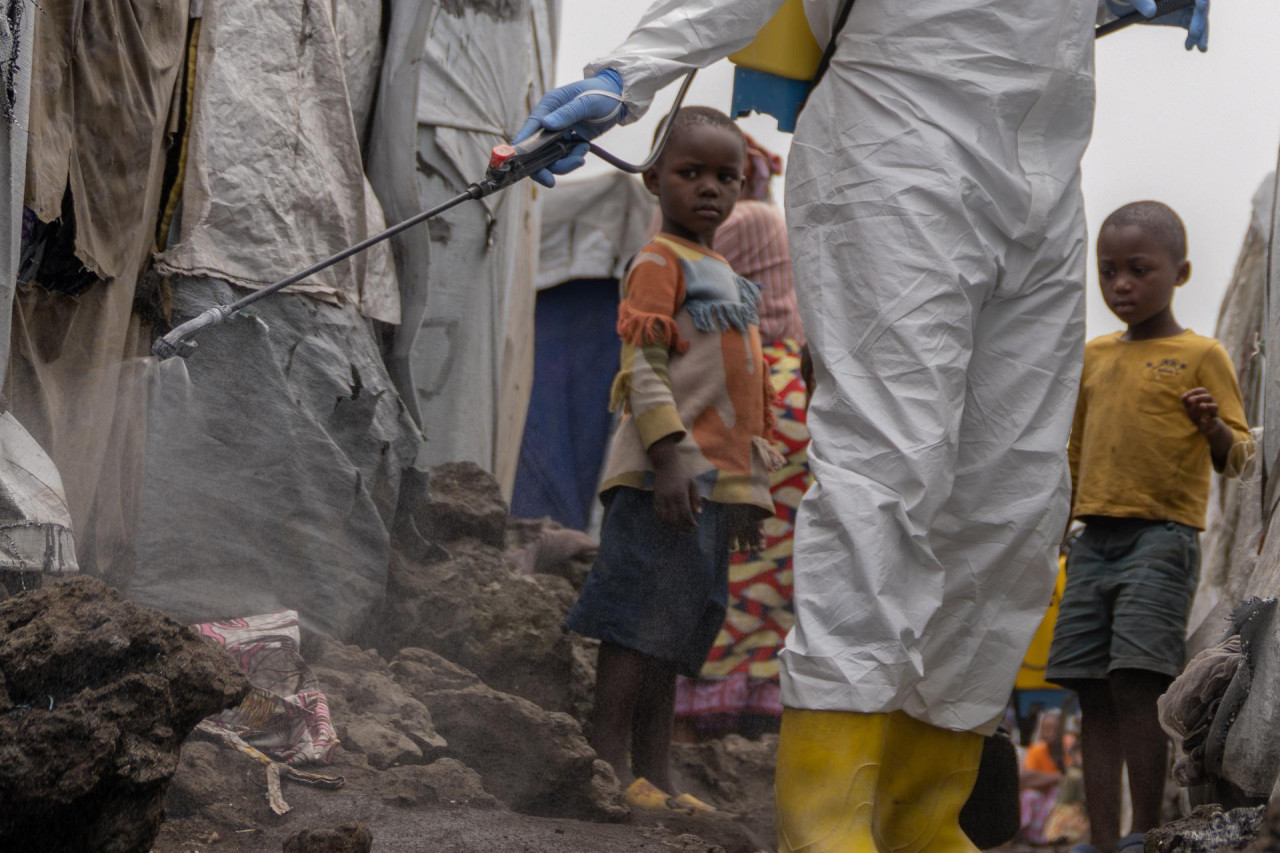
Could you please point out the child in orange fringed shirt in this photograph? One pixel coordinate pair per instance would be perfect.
(687, 479)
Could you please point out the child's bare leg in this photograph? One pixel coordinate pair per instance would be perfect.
(620, 673)
(651, 727)
(1134, 693)
(1103, 753)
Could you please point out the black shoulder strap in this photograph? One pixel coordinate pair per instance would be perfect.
(825, 63)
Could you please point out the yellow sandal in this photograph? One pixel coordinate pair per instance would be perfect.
(643, 794)
(689, 801)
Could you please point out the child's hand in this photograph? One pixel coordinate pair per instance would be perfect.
(1202, 409)
(675, 495)
(744, 531)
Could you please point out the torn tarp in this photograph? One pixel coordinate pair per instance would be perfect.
(1188, 707)
(35, 525)
(359, 26)
(274, 178)
(273, 467)
(102, 82)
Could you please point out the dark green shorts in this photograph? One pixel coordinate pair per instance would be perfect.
(1129, 588)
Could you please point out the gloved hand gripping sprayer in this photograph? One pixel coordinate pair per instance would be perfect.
(509, 164)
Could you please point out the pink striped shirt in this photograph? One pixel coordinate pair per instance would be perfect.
(754, 242)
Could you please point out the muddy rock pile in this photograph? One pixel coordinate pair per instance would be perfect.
(453, 591)
(96, 697)
(462, 706)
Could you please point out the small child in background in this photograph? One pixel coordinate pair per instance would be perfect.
(1159, 407)
(687, 478)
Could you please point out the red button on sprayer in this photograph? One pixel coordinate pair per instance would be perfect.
(500, 155)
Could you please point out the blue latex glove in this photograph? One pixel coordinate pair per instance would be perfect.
(589, 106)
(1194, 19)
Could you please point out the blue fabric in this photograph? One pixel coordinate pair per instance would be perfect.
(1128, 595)
(655, 589)
(1032, 702)
(566, 432)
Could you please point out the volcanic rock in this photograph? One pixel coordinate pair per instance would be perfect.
(345, 838)
(96, 697)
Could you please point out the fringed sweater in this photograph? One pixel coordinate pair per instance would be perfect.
(692, 368)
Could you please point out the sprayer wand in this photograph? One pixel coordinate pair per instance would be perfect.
(508, 164)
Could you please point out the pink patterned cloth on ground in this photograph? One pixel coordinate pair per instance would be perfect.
(286, 716)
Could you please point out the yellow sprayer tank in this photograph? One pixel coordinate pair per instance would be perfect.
(774, 71)
(785, 47)
(1031, 676)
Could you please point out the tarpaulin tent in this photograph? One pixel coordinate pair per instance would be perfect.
(271, 475)
(265, 471)
(590, 230)
(35, 523)
(458, 78)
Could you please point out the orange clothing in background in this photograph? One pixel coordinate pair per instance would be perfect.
(1039, 759)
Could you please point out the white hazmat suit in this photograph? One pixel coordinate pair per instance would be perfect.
(938, 236)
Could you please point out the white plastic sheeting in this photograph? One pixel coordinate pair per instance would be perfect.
(1233, 525)
(459, 76)
(35, 524)
(592, 227)
(16, 30)
(274, 180)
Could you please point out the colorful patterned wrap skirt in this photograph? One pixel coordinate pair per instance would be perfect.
(740, 676)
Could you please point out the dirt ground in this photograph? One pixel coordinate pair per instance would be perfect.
(439, 830)
(217, 804)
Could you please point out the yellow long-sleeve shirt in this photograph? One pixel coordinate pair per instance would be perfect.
(1134, 452)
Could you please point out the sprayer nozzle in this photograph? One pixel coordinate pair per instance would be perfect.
(177, 343)
(164, 348)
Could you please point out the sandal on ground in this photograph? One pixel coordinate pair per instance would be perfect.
(1131, 843)
(689, 801)
(643, 794)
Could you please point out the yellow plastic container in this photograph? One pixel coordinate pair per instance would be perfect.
(1031, 676)
(785, 46)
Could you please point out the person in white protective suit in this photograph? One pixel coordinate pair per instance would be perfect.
(938, 236)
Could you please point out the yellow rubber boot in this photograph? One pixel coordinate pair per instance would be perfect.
(927, 777)
(825, 781)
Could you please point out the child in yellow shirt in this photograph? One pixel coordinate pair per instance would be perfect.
(1159, 407)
